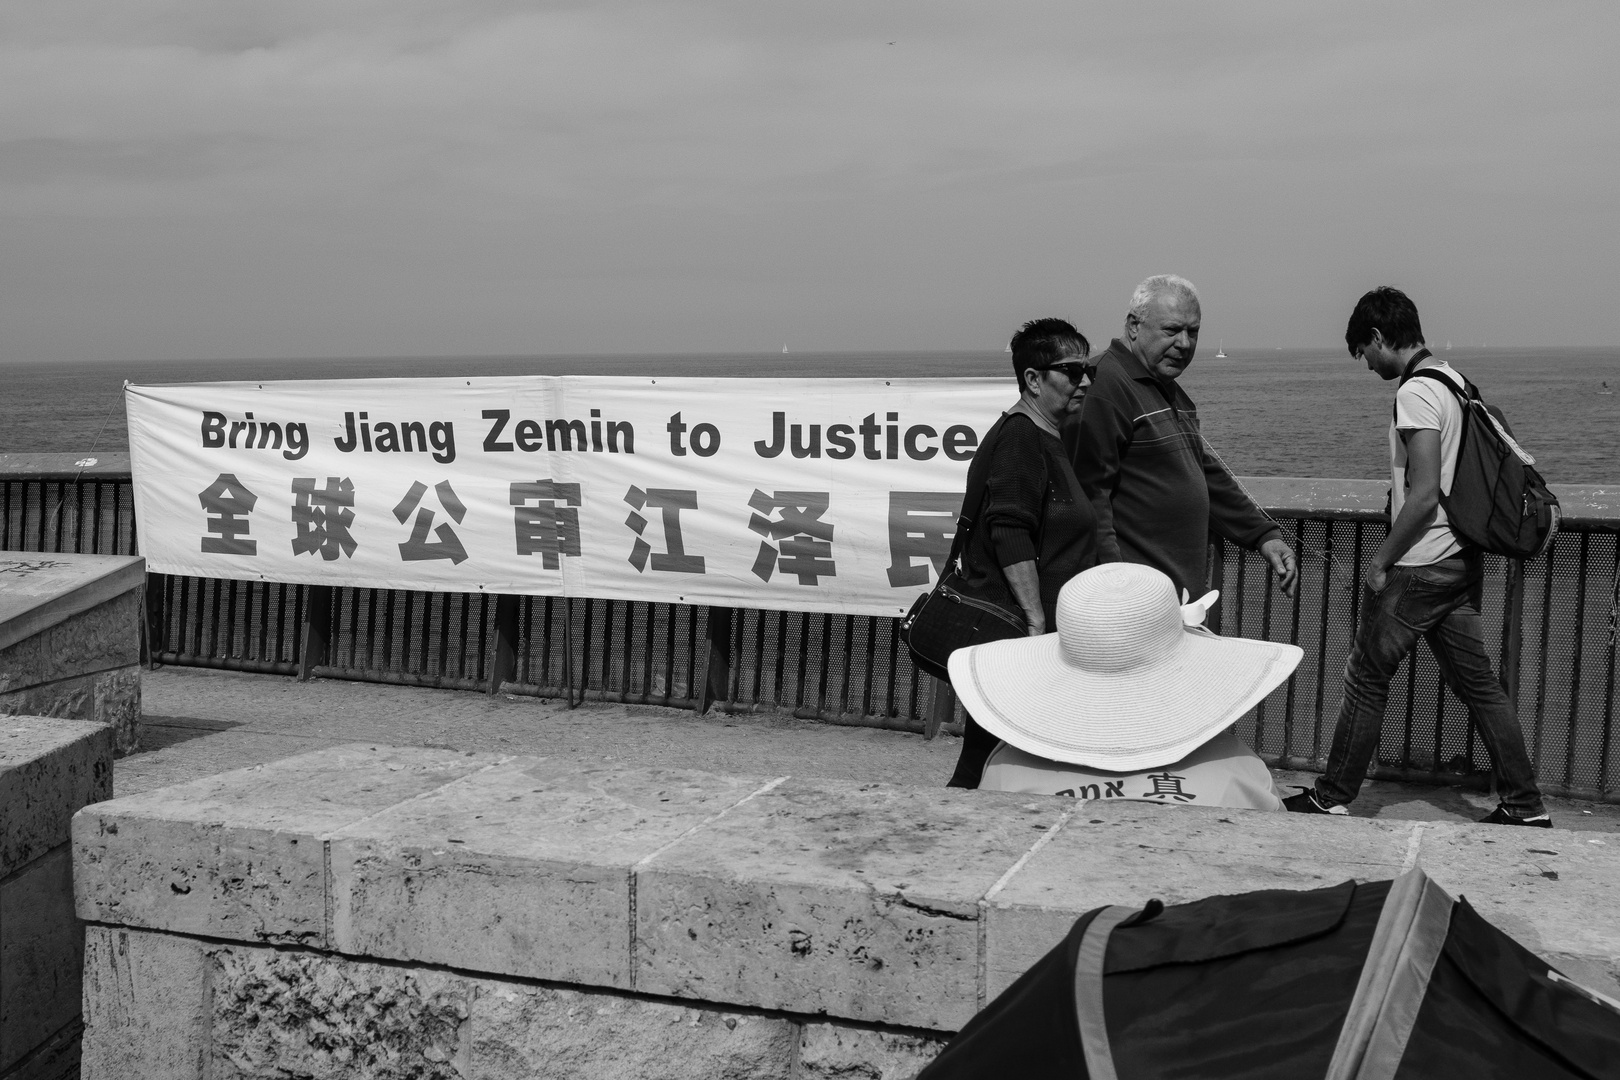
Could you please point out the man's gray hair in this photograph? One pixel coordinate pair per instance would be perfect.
(1157, 284)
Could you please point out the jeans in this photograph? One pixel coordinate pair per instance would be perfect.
(1440, 602)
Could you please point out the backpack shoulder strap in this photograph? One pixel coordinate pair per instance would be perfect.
(1466, 393)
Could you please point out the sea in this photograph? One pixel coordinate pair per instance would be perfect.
(1268, 412)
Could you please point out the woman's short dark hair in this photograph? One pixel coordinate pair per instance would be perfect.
(1043, 342)
(1389, 311)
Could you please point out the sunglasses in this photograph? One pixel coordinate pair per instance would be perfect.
(1074, 370)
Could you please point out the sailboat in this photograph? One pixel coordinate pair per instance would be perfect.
(1220, 351)
(1448, 345)
(784, 348)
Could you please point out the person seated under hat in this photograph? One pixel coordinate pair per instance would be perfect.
(1125, 700)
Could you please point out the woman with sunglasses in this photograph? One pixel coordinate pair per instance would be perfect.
(1035, 529)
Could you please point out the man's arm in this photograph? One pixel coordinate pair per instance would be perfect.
(1417, 512)
(1095, 441)
(1234, 515)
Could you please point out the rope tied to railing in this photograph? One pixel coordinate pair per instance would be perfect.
(1299, 534)
(53, 520)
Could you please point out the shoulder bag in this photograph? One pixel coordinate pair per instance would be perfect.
(947, 618)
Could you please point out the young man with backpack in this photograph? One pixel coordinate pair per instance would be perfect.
(1424, 580)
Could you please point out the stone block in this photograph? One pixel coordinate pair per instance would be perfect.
(1129, 853)
(837, 1052)
(1554, 891)
(523, 869)
(276, 1014)
(109, 697)
(48, 770)
(39, 590)
(522, 1032)
(241, 855)
(146, 1005)
(853, 900)
(101, 638)
(41, 953)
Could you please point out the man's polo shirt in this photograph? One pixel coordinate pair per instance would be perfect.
(1157, 491)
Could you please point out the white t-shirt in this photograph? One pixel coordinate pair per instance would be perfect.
(1423, 404)
(1222, 772)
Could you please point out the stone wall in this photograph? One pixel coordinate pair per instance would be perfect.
(70, 639)
(368, 911)
(48, 770)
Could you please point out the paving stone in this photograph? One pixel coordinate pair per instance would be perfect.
(854, 900)
(240, 855)
(523, 869)
(1119, 854)
(48, 770)
(41, 952)
(838, 1052)
(146, 1005)
(106, 636)
(277, 1014)
(1555, 892)
(522, 1032)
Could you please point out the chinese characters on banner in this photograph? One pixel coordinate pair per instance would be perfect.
(833, 495)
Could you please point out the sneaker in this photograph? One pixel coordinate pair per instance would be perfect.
(1500, 816)
(1306, 802)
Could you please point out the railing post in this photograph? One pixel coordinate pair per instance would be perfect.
(156, 622)
(503, 650)
(717, 649)
(1217, 580)
(1513, 631)
(568, 650)
(315, 645)
(941, 708)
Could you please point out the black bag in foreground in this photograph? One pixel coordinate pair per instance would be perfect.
(1498, 501)
(1363, 981)
(947, 619)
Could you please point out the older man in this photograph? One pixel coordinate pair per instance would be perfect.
(1154, 483)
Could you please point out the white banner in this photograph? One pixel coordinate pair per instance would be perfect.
(793, 494)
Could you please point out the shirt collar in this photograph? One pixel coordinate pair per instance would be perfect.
(1023, 406)
(1127, 359)
(1140, 373)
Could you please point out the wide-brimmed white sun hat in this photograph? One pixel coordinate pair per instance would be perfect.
(1123, 684)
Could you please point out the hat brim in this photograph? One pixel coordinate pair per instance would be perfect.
(1022, 690)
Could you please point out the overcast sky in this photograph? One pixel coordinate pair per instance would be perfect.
(205, 179)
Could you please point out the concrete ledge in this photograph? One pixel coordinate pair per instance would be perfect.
(253, 1011)
(884, 910)
(70, 639)
(48, 770)
(242, 855)
(41, 590)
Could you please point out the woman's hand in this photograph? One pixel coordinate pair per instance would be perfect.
(1025, 582)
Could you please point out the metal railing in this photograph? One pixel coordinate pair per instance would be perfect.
(1552, 622)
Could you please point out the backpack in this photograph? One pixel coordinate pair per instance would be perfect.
(1364, 979)
(1498, 501)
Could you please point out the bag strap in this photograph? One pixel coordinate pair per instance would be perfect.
(978, 488)
(1088, 991)
(1468, 391)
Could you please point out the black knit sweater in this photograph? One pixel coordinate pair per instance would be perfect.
(1034, 508)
